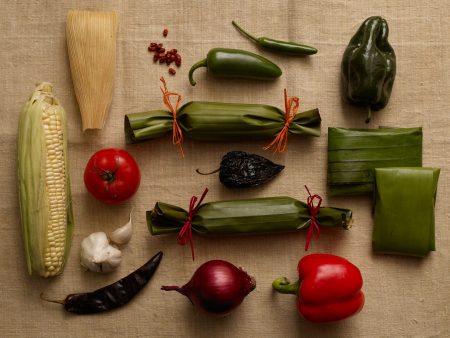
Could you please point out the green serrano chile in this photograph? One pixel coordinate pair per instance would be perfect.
(213, 121)
(223, 62)
(369, 66)
(283, 47)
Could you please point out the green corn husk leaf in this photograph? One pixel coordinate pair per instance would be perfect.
(250, 216)
(404, 210)
(34, 197)
(354, 153)
(212, 121)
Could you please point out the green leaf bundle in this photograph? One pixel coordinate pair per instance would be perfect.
(249, 216)
(404, 210)
(213, 121)
(353, 154)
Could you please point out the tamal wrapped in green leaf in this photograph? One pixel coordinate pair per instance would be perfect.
(248, 216)
(353, 154)
(404, 210)
(213, 121)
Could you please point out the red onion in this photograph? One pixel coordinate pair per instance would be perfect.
(217, 287)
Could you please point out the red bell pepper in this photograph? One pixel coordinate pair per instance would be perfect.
(329, 288)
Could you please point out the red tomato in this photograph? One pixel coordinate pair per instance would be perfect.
(112, 175)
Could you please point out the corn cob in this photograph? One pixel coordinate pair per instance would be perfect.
(43, 179)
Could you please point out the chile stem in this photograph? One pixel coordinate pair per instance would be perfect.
(283, 285)
(247, 35)
(51, 300)
(212, 172)
(369, 114)
(201, 63)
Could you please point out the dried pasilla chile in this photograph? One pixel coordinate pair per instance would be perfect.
(283, 47)
(111, 296)
(226, 62)
(369, 65)
(239, 169)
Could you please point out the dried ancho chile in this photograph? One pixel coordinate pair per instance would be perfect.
(239, 169)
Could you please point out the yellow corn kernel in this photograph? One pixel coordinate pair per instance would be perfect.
(44, 186)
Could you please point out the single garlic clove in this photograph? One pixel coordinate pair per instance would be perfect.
(122, 235)
(98, 255)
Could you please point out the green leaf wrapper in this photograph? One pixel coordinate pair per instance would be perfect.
(212, 121)
(250, 216)
(404, 210)
(354, 153)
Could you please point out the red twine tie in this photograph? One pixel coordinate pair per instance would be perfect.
(177, 135)
(186, 231)
(291, 105)
(313, 210)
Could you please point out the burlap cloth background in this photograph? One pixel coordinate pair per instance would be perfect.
(405, 296)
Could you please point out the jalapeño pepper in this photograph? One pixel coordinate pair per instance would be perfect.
(223, 62)
(368, 66)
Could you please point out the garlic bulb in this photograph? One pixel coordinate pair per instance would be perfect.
(123, 234)
(98, 255)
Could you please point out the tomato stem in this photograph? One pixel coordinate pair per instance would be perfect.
(107, 175)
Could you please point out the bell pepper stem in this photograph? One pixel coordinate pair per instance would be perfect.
(244, 33)
(201, 63)
(283, 285)
(369, 114)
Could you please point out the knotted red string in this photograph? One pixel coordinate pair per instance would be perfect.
(313, 210)
(177, 135)
(291, 105)
(186, 231)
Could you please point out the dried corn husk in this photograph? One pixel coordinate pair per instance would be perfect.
(354, 153)
(91, 44)
(250, 216)
(404, 210)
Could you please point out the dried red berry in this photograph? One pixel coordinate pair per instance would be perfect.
(165, 32)
(155, 57)
(172, 71)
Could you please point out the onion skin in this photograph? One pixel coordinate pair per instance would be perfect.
(217, 287)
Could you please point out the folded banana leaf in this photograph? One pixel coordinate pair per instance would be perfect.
(404, 210)
(250, 216)
(212, 121)
(354, 153)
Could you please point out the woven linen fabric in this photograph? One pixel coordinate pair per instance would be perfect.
(405, 297)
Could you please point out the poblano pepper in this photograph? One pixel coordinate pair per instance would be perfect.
(369, 65)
